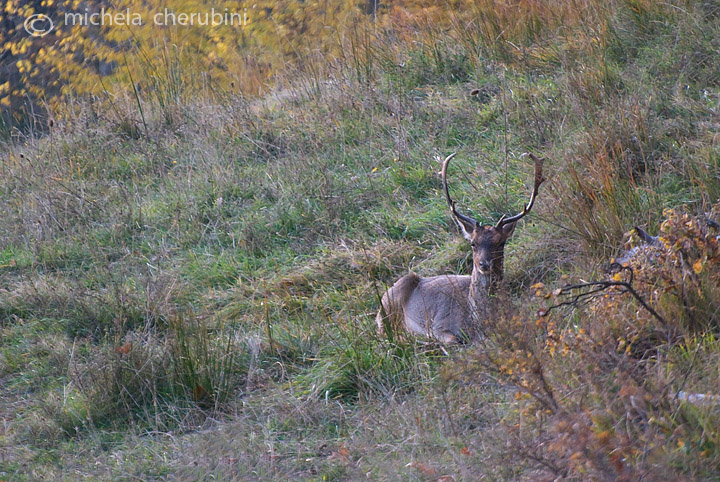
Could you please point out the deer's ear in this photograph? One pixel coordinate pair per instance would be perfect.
(466, 227)
(651, 240)
(508, 229)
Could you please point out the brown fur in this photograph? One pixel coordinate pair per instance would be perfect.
(453, 307)
(393, 303)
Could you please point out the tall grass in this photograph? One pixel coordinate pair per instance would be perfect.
(190, 255)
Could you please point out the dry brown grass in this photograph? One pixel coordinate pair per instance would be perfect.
(188, 292)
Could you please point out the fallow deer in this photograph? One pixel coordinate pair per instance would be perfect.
(451, 308)
(649, 243)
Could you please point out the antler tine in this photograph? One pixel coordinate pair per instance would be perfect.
(538, 180)
(450, 202)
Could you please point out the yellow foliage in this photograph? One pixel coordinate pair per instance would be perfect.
(138, 40)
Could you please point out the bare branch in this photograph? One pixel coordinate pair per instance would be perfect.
(594, 287)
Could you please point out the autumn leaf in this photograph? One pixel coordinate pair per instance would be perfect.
(199, 392)
(424, 468)
(125, 349)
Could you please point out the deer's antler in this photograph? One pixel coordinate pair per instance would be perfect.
(536, 185)
(467, 223)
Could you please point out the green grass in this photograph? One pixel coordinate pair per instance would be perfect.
(196, 300)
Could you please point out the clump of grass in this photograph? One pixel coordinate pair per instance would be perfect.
(147, 381)
(357, 367)
(180, 257)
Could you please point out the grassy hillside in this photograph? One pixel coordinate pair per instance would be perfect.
(188, 279)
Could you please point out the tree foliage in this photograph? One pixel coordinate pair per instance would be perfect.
(97, 44)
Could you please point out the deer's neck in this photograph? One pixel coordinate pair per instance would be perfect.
(481, 286)
(497, 271)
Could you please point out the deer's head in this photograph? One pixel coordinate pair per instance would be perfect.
(488, 242)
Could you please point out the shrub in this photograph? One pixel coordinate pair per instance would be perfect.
(600, 384)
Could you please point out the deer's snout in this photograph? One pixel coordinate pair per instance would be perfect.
(484, 266)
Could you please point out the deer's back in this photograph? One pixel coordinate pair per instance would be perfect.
(436, 306)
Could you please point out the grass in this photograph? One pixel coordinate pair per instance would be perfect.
(188, 288)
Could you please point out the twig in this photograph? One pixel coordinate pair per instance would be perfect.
(600, 286)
